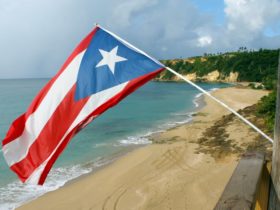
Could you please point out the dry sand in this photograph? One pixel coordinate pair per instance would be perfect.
(179, 171)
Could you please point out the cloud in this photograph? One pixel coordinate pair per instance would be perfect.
(204, 41)
(38, 36)
(246, 22)
(162, 28)
(124, 11)
(248, 19)
(251, 15)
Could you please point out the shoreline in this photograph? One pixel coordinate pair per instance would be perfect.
(91, 167)
(199, 103)
(164, 163)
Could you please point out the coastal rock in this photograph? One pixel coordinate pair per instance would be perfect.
(233, 76)
(214, 76)
(191, 77)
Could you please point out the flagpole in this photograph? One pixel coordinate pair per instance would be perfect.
(191, 83)
(221, 103)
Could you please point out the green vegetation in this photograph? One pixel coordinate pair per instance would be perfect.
(266, 109)
(252, 66)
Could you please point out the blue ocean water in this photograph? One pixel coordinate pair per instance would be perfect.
(154, 107)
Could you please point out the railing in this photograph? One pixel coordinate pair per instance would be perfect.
(248, 188)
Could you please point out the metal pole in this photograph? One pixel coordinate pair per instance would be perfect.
(276, 149)
(223, 104)
(193, 84)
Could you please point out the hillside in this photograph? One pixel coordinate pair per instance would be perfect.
(243, 65)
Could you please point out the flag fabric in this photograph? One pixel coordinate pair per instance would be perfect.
(101, 71)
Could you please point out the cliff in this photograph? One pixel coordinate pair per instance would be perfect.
(242, 66)
(214, 76)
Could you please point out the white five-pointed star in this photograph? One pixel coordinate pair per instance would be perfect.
(110, 59)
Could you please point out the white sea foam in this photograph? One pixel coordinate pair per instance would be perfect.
(143, 139)
(187, 114)
(16, 194)
(173, 124)
(196, 99)
(213, 89)
(137, 139)
(199, 95)
(133, 140)
(100, 145)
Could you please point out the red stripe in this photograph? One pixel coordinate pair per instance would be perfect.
(13, 133)
(51, 134)
(130, 87)
(16, 129)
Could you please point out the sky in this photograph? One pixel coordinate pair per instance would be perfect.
(36, 37)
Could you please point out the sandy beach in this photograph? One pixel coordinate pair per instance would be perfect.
(187, 167)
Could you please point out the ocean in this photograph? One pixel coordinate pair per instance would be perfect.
(153, 108)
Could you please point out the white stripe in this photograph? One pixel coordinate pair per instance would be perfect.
(17, 150)
(93, 103)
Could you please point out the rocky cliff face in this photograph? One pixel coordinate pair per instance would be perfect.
(214, 76)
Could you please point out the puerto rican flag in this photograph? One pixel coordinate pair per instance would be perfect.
(102, 70)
